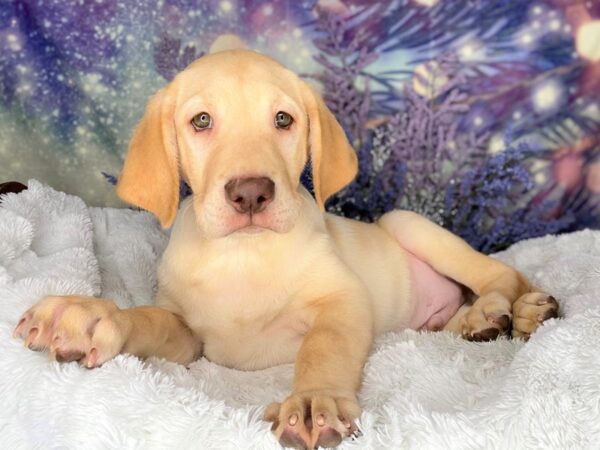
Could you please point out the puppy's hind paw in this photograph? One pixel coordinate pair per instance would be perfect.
(531, 311)
(489, 318)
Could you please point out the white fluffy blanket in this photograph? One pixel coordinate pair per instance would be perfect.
(420, 390)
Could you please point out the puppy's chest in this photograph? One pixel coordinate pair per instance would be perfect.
(244, 321)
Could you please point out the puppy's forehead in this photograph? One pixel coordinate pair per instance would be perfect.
(236, 69)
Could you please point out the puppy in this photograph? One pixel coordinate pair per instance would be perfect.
(256, 273)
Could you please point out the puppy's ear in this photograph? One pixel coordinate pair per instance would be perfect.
(334, 161)
(150, 176)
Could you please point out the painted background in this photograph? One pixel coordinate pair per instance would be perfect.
(483, 115)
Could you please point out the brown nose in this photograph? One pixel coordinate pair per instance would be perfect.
(250, 195)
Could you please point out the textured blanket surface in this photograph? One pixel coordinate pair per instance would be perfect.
(421, 390)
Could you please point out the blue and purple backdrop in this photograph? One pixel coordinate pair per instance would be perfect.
(484, 115)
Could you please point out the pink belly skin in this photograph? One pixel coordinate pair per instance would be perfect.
(436, 298)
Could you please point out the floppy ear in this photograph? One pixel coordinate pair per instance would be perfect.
(150, 176)
(334, 161)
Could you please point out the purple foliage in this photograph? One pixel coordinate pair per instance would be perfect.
(110, 178)
(427, 139)
(424, 156)
(485, 207)
(408, 161)
(170, 58)
(343, 59)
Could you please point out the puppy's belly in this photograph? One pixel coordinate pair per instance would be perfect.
(436, 298)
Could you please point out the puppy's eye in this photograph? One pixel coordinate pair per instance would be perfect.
(283, 120)
(202, 121)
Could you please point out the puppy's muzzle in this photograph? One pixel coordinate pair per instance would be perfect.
(250, 195)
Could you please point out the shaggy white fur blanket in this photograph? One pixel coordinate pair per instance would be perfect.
(421, 390)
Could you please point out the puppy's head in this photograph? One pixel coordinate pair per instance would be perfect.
(239, 128)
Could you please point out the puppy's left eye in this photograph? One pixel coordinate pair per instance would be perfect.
(283, 120)
(202, 121)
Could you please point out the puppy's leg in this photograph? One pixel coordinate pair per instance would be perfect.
(92, 331)
(323, 405)
(496, 285)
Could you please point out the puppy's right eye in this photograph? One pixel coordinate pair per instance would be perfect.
(202, 121)
(283, 120)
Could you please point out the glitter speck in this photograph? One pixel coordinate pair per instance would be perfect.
(426, 2)
(268, 10)
(496, 144)
(527, 39)
(467, 51)
(547, 96)
(226, 5)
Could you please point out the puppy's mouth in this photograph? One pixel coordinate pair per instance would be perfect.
(251, 229)
(250, 224)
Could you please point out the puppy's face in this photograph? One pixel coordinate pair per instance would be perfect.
(242, 133)
(239, 128)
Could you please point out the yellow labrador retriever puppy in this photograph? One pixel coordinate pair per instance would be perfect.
(255, 273)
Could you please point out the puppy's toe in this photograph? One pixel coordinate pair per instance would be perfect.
(488, 334)
(293, 436)
(327, 427)
(488, 318)
(289, 422)
(530, 311)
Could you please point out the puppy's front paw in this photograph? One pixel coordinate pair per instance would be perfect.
(312, 419)
(530, 311)
(73, 328)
